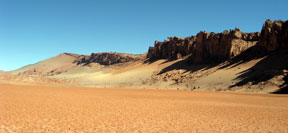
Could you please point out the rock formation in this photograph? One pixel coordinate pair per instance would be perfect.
(108, 58)
(173, 48)
(205, 47)
(212, 47)
(274, 35)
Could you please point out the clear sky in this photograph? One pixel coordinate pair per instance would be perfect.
(33, 30)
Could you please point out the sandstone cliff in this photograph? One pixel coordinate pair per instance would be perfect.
(212, 47)
(208, 47)
(274, 35)
(173, 48)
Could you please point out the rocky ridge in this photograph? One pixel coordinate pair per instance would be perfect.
(204, 47)
(212, 47)
(108, 58)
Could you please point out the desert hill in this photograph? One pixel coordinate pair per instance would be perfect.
(51, 66)
(231, 60)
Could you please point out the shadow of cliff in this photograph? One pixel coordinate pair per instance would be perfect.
(252, 53)
(150, 60)
(183, 65)
(270, 66)
(284, 87)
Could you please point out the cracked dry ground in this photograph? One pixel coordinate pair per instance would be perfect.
(25, 108)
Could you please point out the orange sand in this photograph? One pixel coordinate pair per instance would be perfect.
(26, 108)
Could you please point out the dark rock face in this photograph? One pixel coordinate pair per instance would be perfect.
(204, 47)
(173, 48)
(212, 47)
(274, 35)
(216, 47)
(107, 58)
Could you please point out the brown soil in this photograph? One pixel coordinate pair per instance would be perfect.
(25, 108)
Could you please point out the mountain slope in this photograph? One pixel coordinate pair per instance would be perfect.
(51, 66)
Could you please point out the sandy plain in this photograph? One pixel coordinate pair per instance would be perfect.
(27, 108)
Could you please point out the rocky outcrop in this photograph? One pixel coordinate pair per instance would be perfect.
(108, 58)
(204, 47)
(172, 48)
(216, 47)
(274, 35)
(211, 47)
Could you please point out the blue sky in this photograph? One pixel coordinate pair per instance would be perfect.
(33, 30)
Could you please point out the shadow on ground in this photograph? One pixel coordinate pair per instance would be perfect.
(270, 66)
(183, 65)
(284, 87)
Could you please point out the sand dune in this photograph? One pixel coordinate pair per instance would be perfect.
(79, 109)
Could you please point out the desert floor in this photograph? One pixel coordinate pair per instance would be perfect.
(25, 108)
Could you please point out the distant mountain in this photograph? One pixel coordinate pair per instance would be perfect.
(227, 61)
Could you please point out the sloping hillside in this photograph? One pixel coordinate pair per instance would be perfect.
(51, 66)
